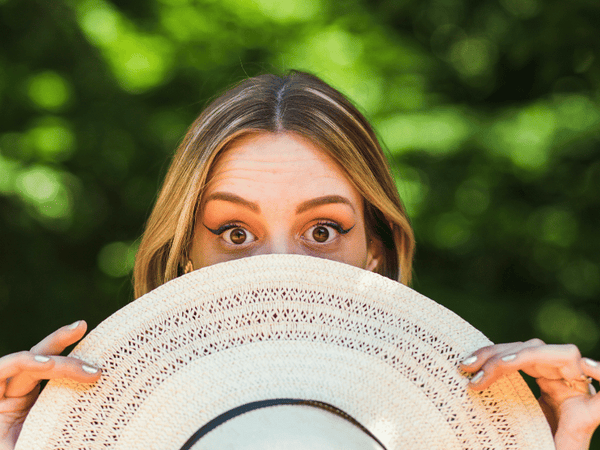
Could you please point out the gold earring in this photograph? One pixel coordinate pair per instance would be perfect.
(189, 267)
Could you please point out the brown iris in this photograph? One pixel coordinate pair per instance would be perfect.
(320, 234)
(238, 236)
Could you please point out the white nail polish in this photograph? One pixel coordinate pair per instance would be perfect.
(470, 360)
(41, 358)
(478, 376)
(88, 369)
(508, 358)
(590, 362)
(74, 325)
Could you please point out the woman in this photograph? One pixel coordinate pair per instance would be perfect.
(288, 165)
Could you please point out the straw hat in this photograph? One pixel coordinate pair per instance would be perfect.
(279, 341)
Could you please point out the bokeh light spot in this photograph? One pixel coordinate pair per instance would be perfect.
(8, 174)
(289, 10)
(52, 139)
(451, 230)
(473, 56)
(558, 322)
(48, 90)
(553, 225)
(139, 61)
(185, 23)
(523, 9)
(175, 2)
(38, 184)
(117, 258)
(99, 21)
(325, 51)
(526, 137)
(42, 187)
(413, 187)
(581, 277)
(338, 45)
(58, 207)
(578, 113)
(438, 131)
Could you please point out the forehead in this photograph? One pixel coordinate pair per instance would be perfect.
(282, 160)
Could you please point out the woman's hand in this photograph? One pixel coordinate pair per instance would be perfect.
(567, 398)
(21, 373)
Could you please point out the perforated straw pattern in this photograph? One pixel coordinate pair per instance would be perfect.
(283, 326)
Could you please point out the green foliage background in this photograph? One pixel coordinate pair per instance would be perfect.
(489, 110)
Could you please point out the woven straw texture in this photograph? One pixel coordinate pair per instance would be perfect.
(283, 326)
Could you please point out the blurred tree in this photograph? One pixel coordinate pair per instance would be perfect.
(489, 110)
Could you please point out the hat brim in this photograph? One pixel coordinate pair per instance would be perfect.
(283, 326)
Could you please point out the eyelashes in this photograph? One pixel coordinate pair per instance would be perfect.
(323, 232)
(334, 225)
(233, 234)
(223, 228)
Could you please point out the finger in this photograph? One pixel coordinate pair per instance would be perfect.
(591, 368)
(15, 363)
(477, 359)
(554, 362)
(559, 390)
(21, 403)
(63, 367)
(55, 343)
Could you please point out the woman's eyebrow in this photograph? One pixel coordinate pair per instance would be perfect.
(229, 197)
(325, 200)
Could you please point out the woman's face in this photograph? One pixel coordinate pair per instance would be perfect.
(279, 193)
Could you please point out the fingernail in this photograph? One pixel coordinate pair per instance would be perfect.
(470, 360)
(74, 325)
(478, 376)
(88, 369)
(41, 358)
(508, 358)
(590, 362)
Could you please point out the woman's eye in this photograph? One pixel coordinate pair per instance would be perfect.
(238, 236)
(324, 233)
(320, 233)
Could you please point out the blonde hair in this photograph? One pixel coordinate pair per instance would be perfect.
(299, 103)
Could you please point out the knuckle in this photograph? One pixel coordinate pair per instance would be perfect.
(573, 351)
(527, 352)
(15, 359)
(493, 362)
(490, 365)
(22, 355)
(535, 341)
(487, 348)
